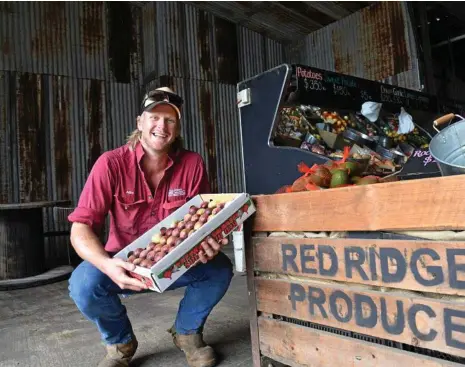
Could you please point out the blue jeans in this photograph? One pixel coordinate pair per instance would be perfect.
(97, 297)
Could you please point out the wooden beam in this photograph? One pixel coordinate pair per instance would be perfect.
(330, 9)
(424, 322)
(426, 204)
(296, 345)
(425, 266)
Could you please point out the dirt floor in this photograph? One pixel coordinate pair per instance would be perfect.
(41, 327)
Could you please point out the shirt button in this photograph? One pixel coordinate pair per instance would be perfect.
(150, 196)
(152, 213)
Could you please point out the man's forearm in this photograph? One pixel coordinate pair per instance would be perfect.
(88, 246)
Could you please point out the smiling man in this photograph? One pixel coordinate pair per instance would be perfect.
(138, 185)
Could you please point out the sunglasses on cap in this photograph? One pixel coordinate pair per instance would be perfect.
(157, 96)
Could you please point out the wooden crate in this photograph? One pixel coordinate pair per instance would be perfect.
(358, 302)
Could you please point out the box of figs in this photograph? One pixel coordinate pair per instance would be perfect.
(169, 249)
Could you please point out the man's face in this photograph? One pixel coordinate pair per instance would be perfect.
(159, 128)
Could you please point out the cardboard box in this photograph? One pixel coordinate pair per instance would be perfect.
(238, 208)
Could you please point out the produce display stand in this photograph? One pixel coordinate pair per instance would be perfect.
(351, 276)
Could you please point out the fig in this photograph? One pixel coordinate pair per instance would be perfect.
(181, 225)
(178, 242)
(174, 224)
(190, 225)
(137, 261)
(131, 259)
(203, 218)
(187, 217)
(162, 240)
(211, 217)
(175, 232)
(169, 231)
(143, 254)
(165, 248)
(156, 238)
(193, 209)
(200, 211)
(137, 251)
(157, 248)
(191, 232)
(212, 204)
(130, 253)
(162, 231)
(221, 205)
(208, 211)
(146, 263)
(195, 218)
(151, 256)
(216, 210)
(198, 225)
(170, 241)
(158, 257)
(183, 234)
(151, 246)
(204, 205)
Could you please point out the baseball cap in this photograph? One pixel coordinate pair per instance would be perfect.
(163, 95)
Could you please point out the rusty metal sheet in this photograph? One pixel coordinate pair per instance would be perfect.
(31, 130)
(375, 43)
(228, 140)
(60, 168)
(251, 55)
(71, 39)
(122, 110)
(149, 40)
(226, 41)
(6, 151)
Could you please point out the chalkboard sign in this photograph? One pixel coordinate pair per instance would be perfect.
(420, 165)
(322, 87)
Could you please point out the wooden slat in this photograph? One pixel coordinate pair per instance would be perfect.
(251, 294)
(427, 266)
(399, 316)
(431, 204)
(299, 346)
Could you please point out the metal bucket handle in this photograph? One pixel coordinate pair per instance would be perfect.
(442, 120)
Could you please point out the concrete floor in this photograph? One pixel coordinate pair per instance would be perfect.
(41, 327)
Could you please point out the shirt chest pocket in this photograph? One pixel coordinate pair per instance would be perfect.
(128, 214)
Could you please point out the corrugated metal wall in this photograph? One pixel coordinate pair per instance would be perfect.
(70, 77)
(203, 57)
(375, 43)
(70, 80)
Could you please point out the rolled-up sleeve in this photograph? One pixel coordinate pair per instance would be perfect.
(97, 195)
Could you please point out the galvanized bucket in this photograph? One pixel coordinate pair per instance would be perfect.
(448, 146)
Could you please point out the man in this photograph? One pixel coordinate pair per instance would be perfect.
(139, 184)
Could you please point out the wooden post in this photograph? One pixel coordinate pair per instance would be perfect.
(249, 261)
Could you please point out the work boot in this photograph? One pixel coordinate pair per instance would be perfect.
(119, 355)
(198, 354)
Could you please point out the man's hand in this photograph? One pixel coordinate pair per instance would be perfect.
(116, 269)
(211, 249)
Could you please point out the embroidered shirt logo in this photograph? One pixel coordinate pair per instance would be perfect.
(176, 192)
(129, 192)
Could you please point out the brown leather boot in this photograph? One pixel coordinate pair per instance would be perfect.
(119, 355)
(198, 354)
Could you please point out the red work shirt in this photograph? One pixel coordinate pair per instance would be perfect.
(117, 185)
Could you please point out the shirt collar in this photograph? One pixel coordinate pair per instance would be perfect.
(172, 156)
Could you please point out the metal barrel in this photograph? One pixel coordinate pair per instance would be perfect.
(448, 149)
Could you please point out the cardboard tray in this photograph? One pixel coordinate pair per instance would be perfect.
(238, 208)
